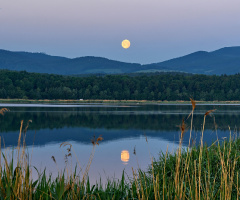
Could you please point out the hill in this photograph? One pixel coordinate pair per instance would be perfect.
(43, 63)
(222, 61)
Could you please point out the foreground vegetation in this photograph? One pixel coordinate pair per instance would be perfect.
(170, 87)
(196, 172)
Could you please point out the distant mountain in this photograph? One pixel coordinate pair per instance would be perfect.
(222, 61)
(43, 63)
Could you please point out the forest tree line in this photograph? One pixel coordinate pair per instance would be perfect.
(24, 85)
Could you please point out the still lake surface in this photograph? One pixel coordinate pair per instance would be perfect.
(146, 129)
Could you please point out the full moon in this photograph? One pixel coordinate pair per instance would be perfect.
(125, 44)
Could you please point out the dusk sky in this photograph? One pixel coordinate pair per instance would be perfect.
(157, 29)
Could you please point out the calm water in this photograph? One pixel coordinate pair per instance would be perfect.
(149, 129)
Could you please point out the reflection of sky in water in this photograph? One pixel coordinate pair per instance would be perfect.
(107, 161)
(123, 128)
(110, 158)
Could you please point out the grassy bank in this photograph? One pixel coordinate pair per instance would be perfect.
(196, 172)
(110, 101)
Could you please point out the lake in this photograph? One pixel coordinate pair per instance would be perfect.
(132, 134)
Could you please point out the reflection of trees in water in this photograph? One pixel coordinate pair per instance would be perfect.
(114, 123)
(164, 122)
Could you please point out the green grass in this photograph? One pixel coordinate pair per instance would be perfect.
(196, 172)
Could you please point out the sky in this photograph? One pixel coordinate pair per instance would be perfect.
(157, 29)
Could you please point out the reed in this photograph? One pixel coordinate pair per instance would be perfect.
(196, 172)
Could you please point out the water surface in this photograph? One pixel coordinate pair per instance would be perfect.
(133, 133)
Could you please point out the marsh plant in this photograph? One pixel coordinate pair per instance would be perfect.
(195, 172)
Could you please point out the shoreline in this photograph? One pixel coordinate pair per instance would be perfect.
(112, 101)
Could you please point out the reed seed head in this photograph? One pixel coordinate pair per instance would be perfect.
(193, 104)
(210, 111)
(3, 110)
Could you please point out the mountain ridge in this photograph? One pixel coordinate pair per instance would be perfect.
(222, 61)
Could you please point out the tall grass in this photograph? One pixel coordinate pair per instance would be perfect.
(195, 172)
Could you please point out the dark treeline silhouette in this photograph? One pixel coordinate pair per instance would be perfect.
(24, 85)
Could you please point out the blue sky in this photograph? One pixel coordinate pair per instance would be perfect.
(158, 29)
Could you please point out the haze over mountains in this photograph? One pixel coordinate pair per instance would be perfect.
(222, 61)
